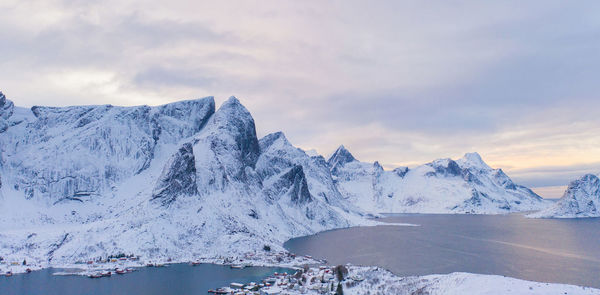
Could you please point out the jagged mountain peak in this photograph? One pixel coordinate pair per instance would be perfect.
(2, 99)
(340, 157)
(271, 138)
(227, 148)
(6, 111)
(6, 107)
(234, 119)
(233, 100)
(233, 103)
(472, 160)
(377, 166)
(232, 109)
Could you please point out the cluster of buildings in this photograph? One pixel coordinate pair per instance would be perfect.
(315, 280)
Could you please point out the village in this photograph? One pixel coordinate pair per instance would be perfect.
(307, 280)
(307, 277)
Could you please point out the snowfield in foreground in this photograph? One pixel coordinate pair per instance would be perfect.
(376, 281)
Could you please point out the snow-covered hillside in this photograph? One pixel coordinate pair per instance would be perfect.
(467, 185)
(581, 199)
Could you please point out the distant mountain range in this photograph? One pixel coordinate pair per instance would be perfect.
(467, 185)
(184, 180)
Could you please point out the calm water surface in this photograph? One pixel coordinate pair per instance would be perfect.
(546, 250)
(174, 279)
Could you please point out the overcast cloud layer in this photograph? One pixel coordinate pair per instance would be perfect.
(399, 82)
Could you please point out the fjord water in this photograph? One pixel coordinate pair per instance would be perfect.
(173, 279)
(546, 250)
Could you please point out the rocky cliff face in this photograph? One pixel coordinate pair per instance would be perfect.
(292, 184)
(340, 157)
(6, 110)
(227, 148)
(581, 199)
(178, 177)
(57, 154)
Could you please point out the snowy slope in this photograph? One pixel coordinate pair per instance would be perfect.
(374, 280)
(177, 181)
(467, 185)
(581, 199)
(378, 281)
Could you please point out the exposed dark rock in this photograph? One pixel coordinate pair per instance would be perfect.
(6, 111)
(468, 176)
(178, 177)
(6, 107)
(504, 180)
(450, 169)
(582, 196)
(339, 158)
(229, 138)
(293, 184)
(401, 171)
(377, 168)
(234, 119)
(475, 200)
(253, 214)
(298, 191)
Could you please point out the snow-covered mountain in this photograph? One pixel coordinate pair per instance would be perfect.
(180, 181)
(581, 199)
(467, 185)
(184, 180)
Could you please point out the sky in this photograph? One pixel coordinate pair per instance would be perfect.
(400, 82)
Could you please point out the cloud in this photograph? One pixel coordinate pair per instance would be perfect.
(554, 175)
(396, 81)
